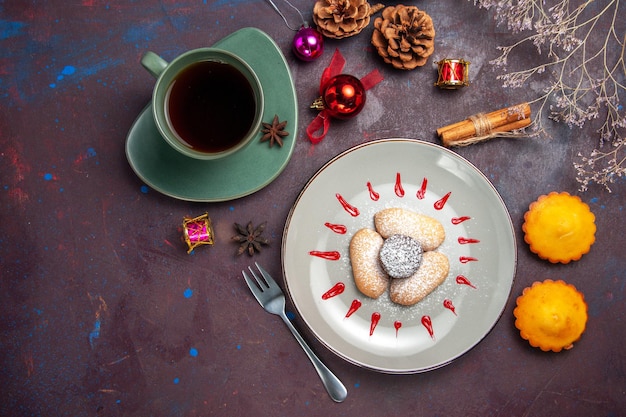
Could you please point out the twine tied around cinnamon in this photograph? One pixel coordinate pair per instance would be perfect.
(484, 126)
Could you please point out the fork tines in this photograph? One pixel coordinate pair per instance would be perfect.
(261, 281)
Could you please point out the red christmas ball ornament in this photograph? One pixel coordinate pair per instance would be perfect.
(344, 96)
(308, 44)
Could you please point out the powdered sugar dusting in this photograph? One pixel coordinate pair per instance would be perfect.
(369, 276)
(400, 256)
(429, 232)
(433, 271)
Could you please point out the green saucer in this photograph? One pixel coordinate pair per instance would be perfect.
(235, 176)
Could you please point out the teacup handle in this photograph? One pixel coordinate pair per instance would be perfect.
(153, 63)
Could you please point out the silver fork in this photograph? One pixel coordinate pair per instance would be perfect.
(272, 299)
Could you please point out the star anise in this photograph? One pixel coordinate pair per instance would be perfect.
(274, 132)
(249, 238)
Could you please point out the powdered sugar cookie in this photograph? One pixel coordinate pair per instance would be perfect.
(429, 232)
(431, 273)
(369, 276)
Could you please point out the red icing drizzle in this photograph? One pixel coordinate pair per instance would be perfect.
(397, 325)
(374, 323)
(334, 291)
(373, 194)
(466, 259)
(458, 220)
(428, 324)
(442, 201)
(353, 211)
(398, 188)
(337, 228)
(465, 240)
(421, 193)
(356, 304)
(464, 281)
(330, 255)
(448, 304)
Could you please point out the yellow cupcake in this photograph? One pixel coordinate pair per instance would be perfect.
(559, 227)
(551, 315)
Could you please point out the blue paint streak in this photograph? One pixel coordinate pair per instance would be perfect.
(95, 333)
(188, 293)
(47, 176)
(181, 23)
(136, 34)
(193, 352)
(85, 71)
(144, 189)
(227, 3)
(68, 70)
(10, 29)
(97, 67)
(176, 380)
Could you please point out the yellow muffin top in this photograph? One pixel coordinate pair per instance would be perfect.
(551, 315)
(559, 227)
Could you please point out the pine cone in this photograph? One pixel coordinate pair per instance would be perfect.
(339, 19)
(404, 36)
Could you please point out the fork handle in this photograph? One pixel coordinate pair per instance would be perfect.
(333, 385)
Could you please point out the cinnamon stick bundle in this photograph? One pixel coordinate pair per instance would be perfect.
(483, 126)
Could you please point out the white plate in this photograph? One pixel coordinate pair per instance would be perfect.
(488, 264)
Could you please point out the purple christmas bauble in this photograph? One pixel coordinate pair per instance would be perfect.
(308, 44)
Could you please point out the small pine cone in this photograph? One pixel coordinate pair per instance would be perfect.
(339, 19)
(404, 36)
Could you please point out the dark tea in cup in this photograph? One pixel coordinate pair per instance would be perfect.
(210, 106)
(207, 103)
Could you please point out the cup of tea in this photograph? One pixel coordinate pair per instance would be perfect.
(207, 103)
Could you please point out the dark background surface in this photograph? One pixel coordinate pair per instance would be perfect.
(95, 320)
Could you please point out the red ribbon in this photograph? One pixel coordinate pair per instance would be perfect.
(322, 121)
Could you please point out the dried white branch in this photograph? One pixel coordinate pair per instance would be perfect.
(585, 59)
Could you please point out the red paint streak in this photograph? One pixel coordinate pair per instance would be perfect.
(19, 195)
(442, 201)
(330, 255)
(20, 168)
(459, 220)
(373, 194)
(353, 211)
(356, 304)
(448, 304)
(374, 322)
(421, 193)
(30, 364)
(466, 259)
(466, 240)
(464, 281)
(334, 291)
(398, 187)
(60, 215)
(337, 228)
(397, 325)
(428, 324)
